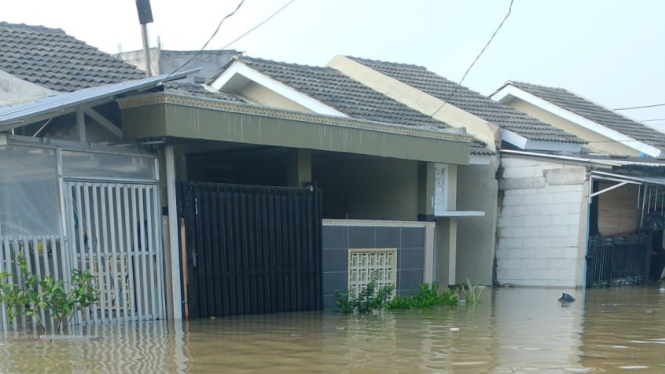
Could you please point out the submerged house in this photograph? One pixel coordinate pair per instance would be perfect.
(606, 201)
(175, 192)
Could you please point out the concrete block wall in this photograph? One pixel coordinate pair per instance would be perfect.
(338, 238)
(541, 226)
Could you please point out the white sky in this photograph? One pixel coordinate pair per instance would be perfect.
(611, 51)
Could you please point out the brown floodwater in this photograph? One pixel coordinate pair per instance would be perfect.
(513, 330)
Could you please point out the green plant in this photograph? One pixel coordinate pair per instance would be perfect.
(371, 299)
(32, 294)
(427, 295)
(472, 292)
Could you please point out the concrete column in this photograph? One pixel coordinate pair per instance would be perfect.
(299, 167)
(174, 247)
(426, 175)
(446, 251)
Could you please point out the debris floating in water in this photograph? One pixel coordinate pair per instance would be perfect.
(566, 298)
(462, 302)
(454, 329)
(662, 290)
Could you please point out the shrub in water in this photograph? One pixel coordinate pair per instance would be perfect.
(371, 299)
(32, 295)
(427, 295)
(472, 292)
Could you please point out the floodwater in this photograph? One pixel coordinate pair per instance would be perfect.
(513, 330)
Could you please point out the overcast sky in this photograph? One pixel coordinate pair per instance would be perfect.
(610, 51)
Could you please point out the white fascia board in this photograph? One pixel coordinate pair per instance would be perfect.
(509, 92)
(526, 144)
(479, 159)
(510, 137)
(461, 213)
(238, 68)
(537, 145)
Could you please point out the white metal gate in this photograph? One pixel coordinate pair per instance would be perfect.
(114, 230)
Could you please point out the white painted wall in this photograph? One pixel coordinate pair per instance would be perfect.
(541, 223)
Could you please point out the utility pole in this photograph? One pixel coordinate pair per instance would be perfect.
(145, 17)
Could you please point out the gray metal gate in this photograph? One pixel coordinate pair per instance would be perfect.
(114, 230)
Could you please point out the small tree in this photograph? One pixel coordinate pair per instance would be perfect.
(32, 295)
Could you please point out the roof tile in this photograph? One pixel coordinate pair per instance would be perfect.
(348, 96)
(481, 106)
(51, 58)
(595, 112)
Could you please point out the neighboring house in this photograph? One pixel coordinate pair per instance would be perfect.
(257, 197)
(166, 61)
(412, 95)
(548, 224)
(606, 131)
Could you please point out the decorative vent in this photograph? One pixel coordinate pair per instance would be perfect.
(363, 263)
(440, 189)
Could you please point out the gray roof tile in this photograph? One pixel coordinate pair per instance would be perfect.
(481, 106)
(348, 96)
(595, 112)
(52, 59)
(197, 90)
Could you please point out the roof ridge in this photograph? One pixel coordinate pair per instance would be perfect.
(358, 59)
(34, 27)
(263, 60)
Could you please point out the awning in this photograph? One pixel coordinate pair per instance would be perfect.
(621, 180)
(27, 112)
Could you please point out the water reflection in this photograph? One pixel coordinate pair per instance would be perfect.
(511, 331)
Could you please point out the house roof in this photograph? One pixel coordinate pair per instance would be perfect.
(52, 59)
(470, 101)
(197, 90)
(595, 112)
(346, 95)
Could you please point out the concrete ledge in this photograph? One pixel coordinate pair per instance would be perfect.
(375, 223)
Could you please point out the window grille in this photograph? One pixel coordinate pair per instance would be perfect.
(363, 263)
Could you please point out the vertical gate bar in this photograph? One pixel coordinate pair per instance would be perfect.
(83, 204)
(127, 262)
(54, 254)
(281, 251)
(158, 249)
(200, 254)
(112, 263)
(82, 266)
(229, 253)
(259, 251)
(119, 261)
(69, 254)
(99, 241)
(38, 270)
(48, 243)
(143, 250)
(223, 254)
(253, 232)
(136, 264)
(4, 267)
(206, 252)
(13, 265)
(247, 265)
(273, 255)
(215, 225)
(150, 248)
(28, 260)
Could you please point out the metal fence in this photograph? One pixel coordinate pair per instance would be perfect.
(617, 260)
(251, 249)
(115, 233)
(44, 255)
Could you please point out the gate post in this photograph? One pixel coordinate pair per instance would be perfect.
(176, 289)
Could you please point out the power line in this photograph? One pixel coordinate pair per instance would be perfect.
(259, 25)
(641, 107)
(652, 120)
(209, 39)
(510, 9)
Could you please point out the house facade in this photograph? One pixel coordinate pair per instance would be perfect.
(565, 218)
